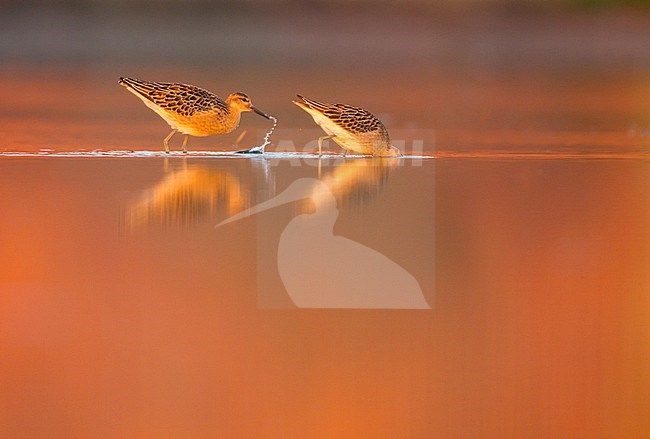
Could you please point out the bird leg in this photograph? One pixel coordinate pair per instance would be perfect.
(166, 141)
(320, 144)
(186, 136)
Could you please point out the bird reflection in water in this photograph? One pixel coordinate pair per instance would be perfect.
(187, 196)
(357, 182)
(193, 193)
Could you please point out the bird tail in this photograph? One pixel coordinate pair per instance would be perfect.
(309, 103)
(138, 86)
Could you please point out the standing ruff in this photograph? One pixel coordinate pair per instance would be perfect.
(191, 110)
(353, 128)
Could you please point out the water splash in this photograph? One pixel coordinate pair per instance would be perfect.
(259, 149)
(267, 136)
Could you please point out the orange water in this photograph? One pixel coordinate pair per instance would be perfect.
(125, 313)
(119, 324)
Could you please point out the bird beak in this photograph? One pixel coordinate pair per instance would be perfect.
(261, 113)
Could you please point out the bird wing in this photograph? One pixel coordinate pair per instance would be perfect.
(184, 99)
(351, 118)
(355, 119)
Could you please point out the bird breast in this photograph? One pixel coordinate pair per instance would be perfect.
(205, 124)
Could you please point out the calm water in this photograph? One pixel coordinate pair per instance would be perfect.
(124, 311)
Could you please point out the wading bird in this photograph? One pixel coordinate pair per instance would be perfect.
(192, 110)
(353, 128)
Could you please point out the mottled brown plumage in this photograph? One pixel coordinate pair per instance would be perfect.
(190, 109)
(353, 128)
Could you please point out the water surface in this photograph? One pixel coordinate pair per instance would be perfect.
(125, 312)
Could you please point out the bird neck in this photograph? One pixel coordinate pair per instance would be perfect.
(234, 115)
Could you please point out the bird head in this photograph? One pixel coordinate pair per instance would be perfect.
(391, 151)
(242, 102)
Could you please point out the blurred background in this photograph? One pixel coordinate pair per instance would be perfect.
(481, 73)
(389, 35)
